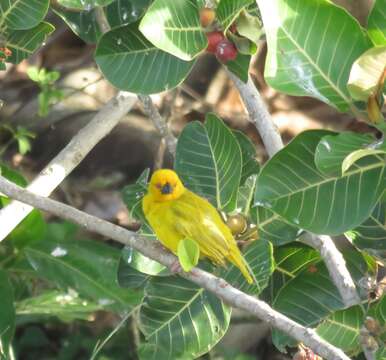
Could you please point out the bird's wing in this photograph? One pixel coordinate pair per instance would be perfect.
(198, 220)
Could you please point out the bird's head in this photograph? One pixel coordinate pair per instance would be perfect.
(165, 185)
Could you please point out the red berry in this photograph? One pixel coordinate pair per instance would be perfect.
(226, 51)
(214, 38)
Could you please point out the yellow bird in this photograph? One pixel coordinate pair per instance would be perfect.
(175, 213)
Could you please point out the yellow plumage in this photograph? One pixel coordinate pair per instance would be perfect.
(175, 213)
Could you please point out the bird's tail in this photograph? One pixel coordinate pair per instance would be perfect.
(237, 259)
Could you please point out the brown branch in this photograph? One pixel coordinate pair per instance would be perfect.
(153, 250)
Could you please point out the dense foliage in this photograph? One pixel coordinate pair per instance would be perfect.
(322, 182)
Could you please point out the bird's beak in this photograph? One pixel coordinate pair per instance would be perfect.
(166, 189)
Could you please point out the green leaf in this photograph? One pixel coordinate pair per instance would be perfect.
(351, 159)
(249, 26)
(314, 201)
(308, 52)
(311, 296)
(7, 314)
(33, 227)
(128, 277)
(208, 160)
(273, 227)
(84, 23)
(66, 306)
(181, 320)
(341, 329)
(289, 260)
(33, 73)
(333, 149)
(188, 253)
(23, 43)
(245, 196)
(143, 264)
(259, 258)
(228, 10)
(248, 152)
(371, 235)
(123, 12)
(376, 24)
(367, 72)
(130, 62)
(22, 14)
(24, 145)
(240, 66)
(87, 266)
(83, 4)
(133, 194)
(174, 27)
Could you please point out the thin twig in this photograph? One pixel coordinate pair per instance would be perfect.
(336, 266)
(155, 251)
(62, 165)
(258, 114)
(152, 112)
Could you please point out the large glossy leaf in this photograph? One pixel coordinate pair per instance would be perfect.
(245, 198)
(311, 47)
(123, 12)
(371, 235)
(64, 305)
(128, 277)
(7, 314)
(181, 320)
(83, 4)
(130, 62)
(248, 152)
(376, 24)
(292, 186)
(367, 72)
(209, 161)
(272, 227)
(333, 149)
(86, 266)
(311, 296)
(82, 23)
(290, 260)
(174, 27)
(23, 43)
(227, 11)
(259, 257)
(22, 14)
(341, 329)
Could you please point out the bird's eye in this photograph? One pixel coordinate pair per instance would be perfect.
(158, 186)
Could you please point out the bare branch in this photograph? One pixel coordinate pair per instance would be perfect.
(336, 266)
(75, 151)
(258, 114)
(159, 122)
(155, 251)
(101, 19)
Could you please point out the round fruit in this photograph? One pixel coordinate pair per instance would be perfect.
(226, 51)
(207, 16)
(237, 224)
(214, 38)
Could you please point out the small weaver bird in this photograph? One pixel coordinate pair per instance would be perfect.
(176, 213)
